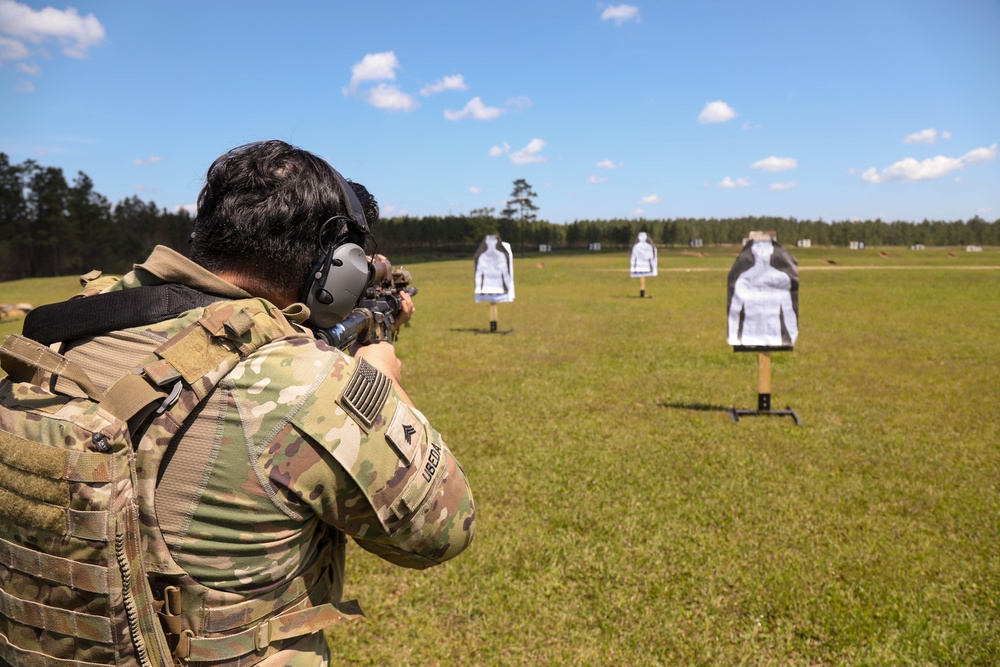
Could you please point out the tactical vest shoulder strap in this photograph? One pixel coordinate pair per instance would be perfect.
(111, 311)
(200, 355)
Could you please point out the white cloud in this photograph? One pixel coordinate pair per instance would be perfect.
(783, 186)
(74, 33)
(650, 199)
(751, 126)
(190, 208)
(928, 136)
(518, 104)
(980, 155)
(910, 169)
(475, 189)
(374, 67)
(388, 210)
(474, 109)
(945, 134)
(34, 70)
(608, 164)
(620, 14)
(716, 112)
(11, 49)
(738, 183)
(639, 211)
(597, 179)
(153, 159)
(24, 87)
(530, 153)
(388, 96)
(774, 163)
(497, 151)
(454, 82)
(380, 67)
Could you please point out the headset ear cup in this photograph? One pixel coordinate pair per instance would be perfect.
(336, 284)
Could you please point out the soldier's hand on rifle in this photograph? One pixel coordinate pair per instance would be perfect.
(406, 310)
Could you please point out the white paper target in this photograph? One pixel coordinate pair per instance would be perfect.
(763, 297)
(642, 263)
(494, 263)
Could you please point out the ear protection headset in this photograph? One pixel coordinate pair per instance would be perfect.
(338, 278)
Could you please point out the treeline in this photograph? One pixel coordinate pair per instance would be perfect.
(463, 233)
(51, 227)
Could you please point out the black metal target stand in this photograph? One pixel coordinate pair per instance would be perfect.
(763, 391)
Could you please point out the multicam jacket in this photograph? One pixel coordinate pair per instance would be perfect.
(297, 447)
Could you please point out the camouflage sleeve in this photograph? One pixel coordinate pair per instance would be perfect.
(373, 467)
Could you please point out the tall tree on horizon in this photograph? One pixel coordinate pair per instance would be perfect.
(521, 203)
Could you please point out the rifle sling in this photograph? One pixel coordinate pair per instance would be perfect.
(112, 311)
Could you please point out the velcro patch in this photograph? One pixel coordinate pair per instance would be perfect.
(405, 433)
(365, 394)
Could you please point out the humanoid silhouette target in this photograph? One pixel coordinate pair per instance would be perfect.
(763, 297)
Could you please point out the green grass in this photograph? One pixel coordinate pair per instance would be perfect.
(623, 518)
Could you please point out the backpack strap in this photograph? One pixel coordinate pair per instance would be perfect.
(23, 358)
(112, 311)
(199, 356)
(267, 632)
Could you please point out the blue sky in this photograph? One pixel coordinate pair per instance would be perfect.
(835, 110)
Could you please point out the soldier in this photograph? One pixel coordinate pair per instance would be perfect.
(297, 447)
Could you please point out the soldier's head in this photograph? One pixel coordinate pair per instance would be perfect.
(267, 211)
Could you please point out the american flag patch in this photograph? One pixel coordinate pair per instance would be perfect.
(365, 394)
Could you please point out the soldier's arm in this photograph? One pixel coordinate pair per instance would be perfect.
(371, 465)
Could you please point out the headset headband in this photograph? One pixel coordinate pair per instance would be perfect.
(355, 211)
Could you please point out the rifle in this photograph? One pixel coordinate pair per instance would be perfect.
(373, 317)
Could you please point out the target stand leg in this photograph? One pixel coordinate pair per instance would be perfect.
(493, 323)
(764, 395)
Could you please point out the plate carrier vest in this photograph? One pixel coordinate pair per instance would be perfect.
(86, 578)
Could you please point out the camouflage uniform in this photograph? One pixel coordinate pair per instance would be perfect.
(298, 446)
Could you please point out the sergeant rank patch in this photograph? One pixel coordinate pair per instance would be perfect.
(365, 394)
(405, 433)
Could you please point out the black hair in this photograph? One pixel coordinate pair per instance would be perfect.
(368, 204)
(261, 213)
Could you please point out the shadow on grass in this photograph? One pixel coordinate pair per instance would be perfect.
(482, 331)
(697, 407)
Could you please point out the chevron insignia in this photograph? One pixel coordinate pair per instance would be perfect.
(406, 434)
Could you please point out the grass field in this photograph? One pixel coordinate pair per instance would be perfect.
(625, 519)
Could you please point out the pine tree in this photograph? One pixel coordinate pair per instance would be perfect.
(521, 204)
